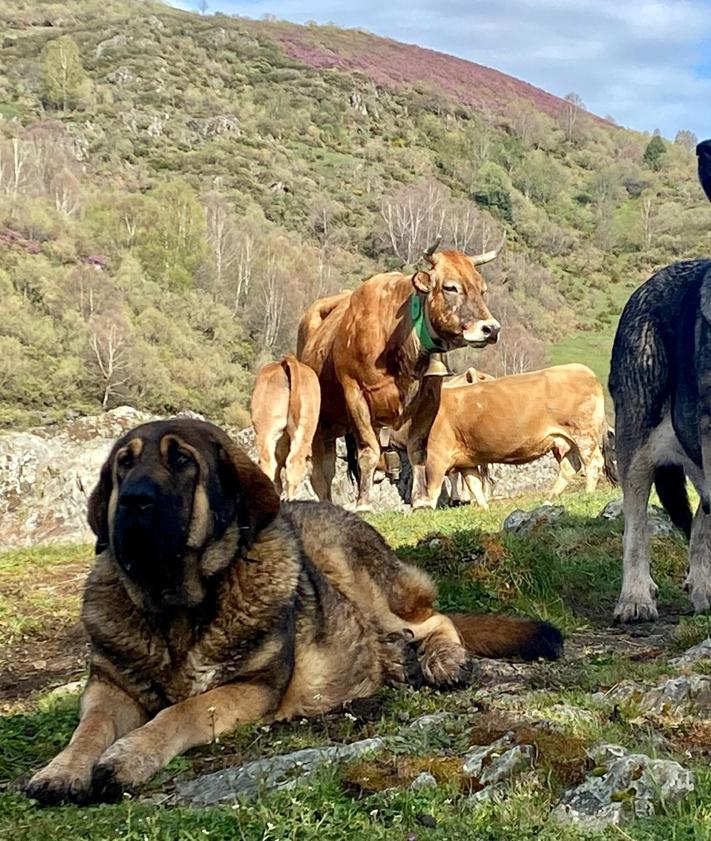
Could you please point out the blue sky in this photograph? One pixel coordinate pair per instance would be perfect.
(647, 63)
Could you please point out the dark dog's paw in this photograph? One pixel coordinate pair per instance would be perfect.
(106, 786)
(51, 787)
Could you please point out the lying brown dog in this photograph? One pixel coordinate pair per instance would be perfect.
(210, 607)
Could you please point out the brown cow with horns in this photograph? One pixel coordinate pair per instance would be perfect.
(371, 348)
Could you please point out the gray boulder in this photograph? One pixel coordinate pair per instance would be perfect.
(524, 522)
(278, 772)
(630, 786)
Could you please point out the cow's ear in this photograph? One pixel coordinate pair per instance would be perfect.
(422, 281)
(98, 508)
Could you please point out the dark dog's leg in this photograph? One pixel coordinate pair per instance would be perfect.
(107, 714)
(698, 581)
(637, 598)
(196, 721)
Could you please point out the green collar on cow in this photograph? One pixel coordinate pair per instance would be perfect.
(419, 325)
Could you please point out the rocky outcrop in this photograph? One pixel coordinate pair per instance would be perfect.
(47, 474)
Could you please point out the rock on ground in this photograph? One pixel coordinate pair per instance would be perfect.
(278, 772)
(630, 785)
(524, 522)
(658, 520)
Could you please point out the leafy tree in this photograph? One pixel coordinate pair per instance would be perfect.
(65, 82)
(493, 191)
(655, 151)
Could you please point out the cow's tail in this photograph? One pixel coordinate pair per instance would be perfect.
(493, 635)
(608, 455)
(291, 368)
(352, 458)
(670, 485)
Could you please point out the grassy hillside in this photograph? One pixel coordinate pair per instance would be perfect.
(174, 189)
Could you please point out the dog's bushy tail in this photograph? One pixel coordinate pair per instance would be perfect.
(670, 485)
(492, 635)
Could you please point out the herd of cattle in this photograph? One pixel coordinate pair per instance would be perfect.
(368, 367)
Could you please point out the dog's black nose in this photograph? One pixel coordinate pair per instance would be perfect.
(140, 495)
(138, 502)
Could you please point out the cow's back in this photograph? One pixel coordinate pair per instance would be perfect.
(515, 417)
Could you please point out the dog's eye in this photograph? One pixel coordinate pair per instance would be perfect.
(181, 459)
(125, 460)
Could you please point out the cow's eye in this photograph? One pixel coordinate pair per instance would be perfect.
(451, 287)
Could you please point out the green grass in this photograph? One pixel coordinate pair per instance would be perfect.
(591, 349)
(569, 573)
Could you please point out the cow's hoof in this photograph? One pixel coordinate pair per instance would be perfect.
(364, 508)
(422, 504)
(699, 593)
(635, 610)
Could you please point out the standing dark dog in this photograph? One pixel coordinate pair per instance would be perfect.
(209, 607)
(660, 381)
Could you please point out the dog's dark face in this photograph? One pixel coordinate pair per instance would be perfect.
(169, 493)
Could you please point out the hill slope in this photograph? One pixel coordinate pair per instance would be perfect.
(174, 189)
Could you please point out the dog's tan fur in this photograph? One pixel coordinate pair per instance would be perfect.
(311, 609)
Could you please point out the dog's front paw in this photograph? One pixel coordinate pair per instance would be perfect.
(642, 609)
(57, 784)
(445, 664)
(108, 784)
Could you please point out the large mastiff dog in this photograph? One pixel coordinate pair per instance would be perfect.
(210, 607)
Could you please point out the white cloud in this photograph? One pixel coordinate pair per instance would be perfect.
(633, 59)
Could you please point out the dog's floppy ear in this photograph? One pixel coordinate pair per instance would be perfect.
(98, 510)
(257, 500)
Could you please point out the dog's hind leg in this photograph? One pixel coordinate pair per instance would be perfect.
(107, 714)
(195, 721)
(637, 598)
(698, 581)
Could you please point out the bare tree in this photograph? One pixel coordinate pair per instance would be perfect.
(573, 108)
(108, 345)
(222, 236)
(414, 217)
(273, 300)
(648, 214)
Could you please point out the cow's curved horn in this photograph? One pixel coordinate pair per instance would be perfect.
(431, 250)
(488, 256)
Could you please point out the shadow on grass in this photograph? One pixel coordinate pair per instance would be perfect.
(568, 572)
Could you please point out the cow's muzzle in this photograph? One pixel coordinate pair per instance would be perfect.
(483, 333)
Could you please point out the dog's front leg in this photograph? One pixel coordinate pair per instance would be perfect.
(107, 713)
(195, 721)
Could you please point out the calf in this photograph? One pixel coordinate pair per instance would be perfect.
(285, 407)
(660, 381)
(515, 420)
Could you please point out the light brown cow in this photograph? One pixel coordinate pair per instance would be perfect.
(371, 349)
(515, 420)
(285, 406)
